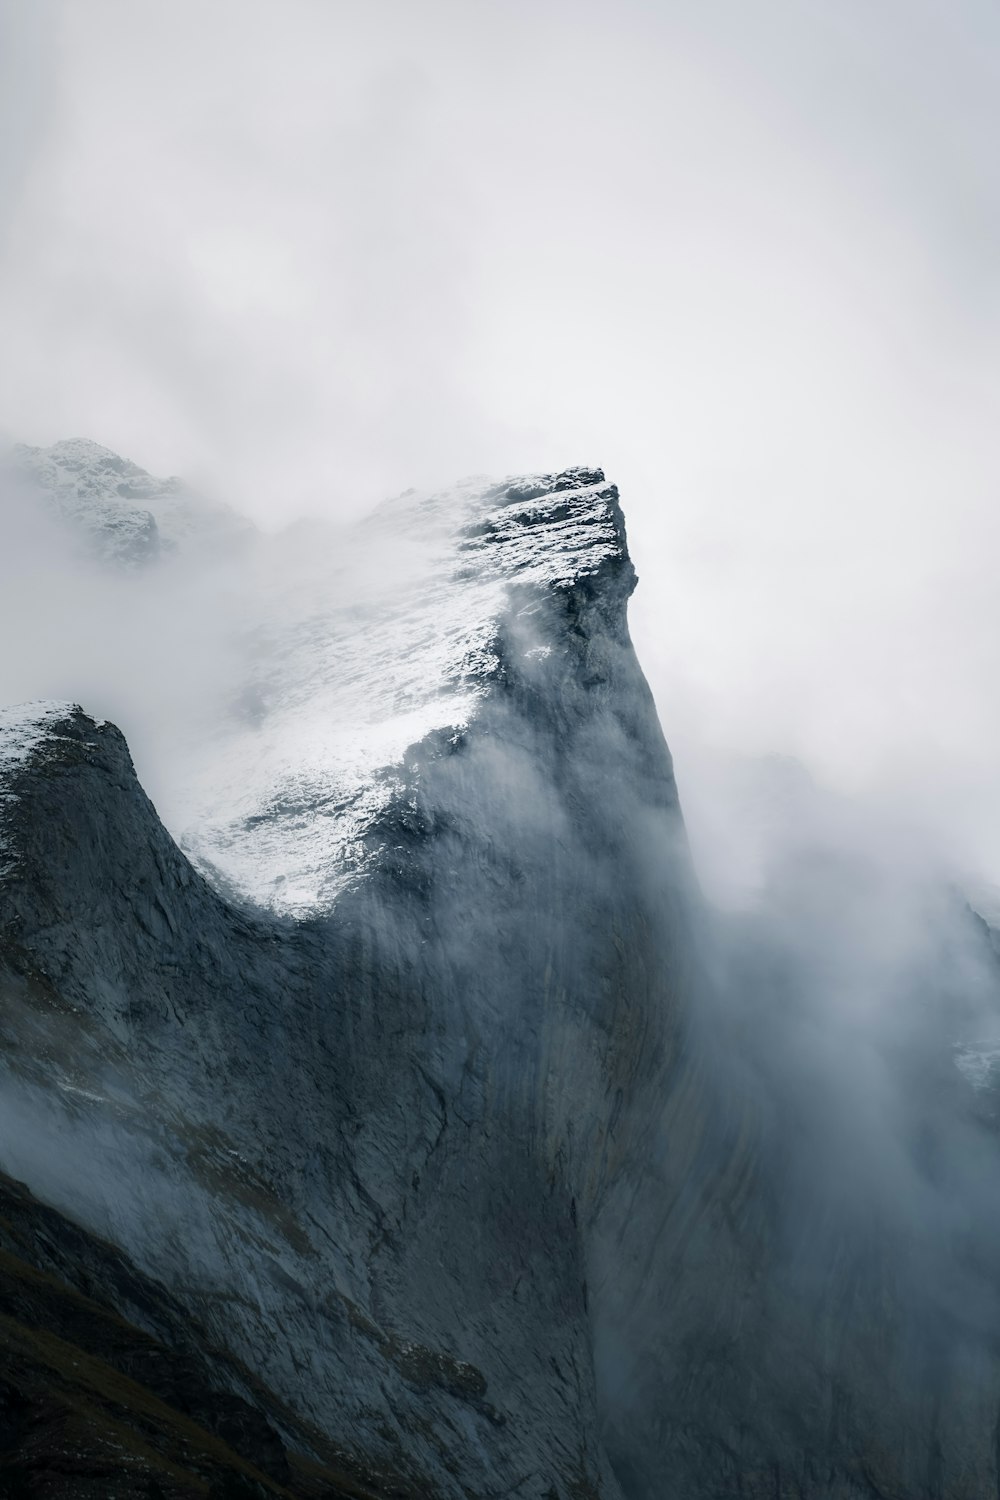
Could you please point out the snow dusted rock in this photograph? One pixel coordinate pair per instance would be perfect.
(373, 641)
(129, 517)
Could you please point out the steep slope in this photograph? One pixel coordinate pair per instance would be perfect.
(109, 1389)
(94, 1405)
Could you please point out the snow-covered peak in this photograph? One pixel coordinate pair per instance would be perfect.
(551, 528)
(361, 643)
(128, 516)
(344, 648)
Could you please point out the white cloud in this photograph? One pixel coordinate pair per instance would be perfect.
(745, 257)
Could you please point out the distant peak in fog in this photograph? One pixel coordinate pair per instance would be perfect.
(124, 514)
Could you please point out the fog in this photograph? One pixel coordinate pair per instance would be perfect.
(308, 255)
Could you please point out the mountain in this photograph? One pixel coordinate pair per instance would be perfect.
(353, 1128)
(401, 1101)
(126, 516)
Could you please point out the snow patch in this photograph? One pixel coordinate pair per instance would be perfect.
(23, 728)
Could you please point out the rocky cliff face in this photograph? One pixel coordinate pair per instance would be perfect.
(367, 1146)
(429, 1093)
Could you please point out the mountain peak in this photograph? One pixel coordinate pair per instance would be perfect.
(374, 639)
(126, 516)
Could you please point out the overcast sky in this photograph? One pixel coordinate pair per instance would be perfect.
(745, 256)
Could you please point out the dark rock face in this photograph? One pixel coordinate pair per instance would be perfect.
(94, 1405)
(475, 1177)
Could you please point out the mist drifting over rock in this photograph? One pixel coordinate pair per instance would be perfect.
(392, 1083)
